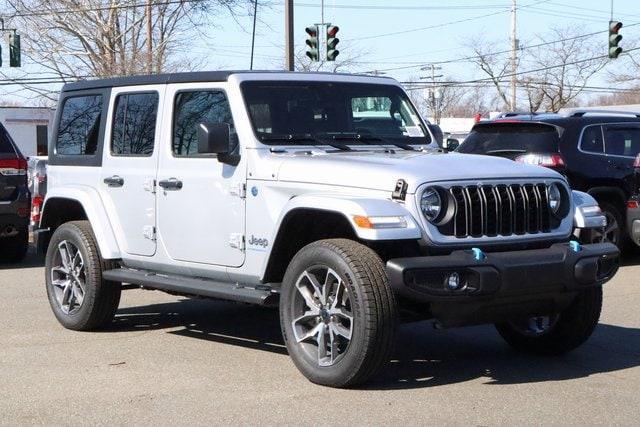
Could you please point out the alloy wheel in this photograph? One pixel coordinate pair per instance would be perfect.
(68, 278)
(323, 317)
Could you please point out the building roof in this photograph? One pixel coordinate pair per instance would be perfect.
(189, 77)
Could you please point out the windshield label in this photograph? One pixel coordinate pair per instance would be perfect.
(413, 131)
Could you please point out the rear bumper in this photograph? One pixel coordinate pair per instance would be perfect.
(14, 214)
(501, 285)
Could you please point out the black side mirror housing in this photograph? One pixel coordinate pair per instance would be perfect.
(214, 138)
(450, 144)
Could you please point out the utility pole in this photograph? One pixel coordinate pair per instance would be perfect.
(253, 33)
(149, 39)
(288, 27)
(433, 97)
(514, 55)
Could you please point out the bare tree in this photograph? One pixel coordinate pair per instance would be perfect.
(566, 63)
(494, 65)
(76, 39)
(437, 101)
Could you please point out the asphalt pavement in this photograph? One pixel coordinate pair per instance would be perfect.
(173, 360)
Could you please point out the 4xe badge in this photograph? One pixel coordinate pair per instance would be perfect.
(256, 241)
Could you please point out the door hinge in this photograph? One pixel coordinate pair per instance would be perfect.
(236, 241)
(149, 232)
(150, 186)
(239, 190)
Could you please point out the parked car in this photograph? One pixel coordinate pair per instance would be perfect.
(15, 200)
(595, 150)
(37, 181)
(267, 188)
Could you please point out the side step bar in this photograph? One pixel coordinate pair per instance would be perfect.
(192, 286)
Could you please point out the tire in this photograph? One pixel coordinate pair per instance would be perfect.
(567, 331)
(14, 249)
(615, 223)
(86, 309)
(358, 287)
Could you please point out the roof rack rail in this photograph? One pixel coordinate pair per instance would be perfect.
(581, 113)
(515, 113)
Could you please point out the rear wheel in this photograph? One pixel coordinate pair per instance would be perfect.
(79, 297)
(15, 248)
(557, 334)
(337, 312)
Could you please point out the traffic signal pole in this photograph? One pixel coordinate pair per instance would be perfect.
(288, 25)
(514, 56)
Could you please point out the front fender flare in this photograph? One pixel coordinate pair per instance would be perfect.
(96, 214)
(350, 206)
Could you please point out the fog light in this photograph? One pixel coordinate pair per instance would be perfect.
(453, 282)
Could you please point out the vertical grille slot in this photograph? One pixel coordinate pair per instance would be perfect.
(499, 210)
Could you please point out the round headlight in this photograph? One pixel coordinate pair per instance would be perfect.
(555, 198)
(431, 204)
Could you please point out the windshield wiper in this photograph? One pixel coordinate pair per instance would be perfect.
(303, 137)
(365, 138)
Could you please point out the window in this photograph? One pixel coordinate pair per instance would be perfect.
(42, 140)
(511, 139)
(193, 108)
(592, 140)
(6, 145)
(622, 140)
(282, 111)
(134, 124)
(79, 126)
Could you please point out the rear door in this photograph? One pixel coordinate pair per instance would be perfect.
(130, 165)
(621, 146)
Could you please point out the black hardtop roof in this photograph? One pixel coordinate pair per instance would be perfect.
(188, 77)
(560, 120)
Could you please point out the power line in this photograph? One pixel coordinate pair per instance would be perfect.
(404, 7)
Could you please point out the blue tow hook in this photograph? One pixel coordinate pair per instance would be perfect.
(575, 246)
(478, 255)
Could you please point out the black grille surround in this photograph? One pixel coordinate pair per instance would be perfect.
(499, 210)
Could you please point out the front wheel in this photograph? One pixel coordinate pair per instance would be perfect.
(556, 334)
(337, 312)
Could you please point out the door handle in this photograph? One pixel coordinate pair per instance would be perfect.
(114, 181)
(172, 184)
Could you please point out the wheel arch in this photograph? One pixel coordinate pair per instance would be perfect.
(611, 194)
(71, 204)
(307, 219)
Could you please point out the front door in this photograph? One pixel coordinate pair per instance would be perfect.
(201, 207)
(129, 166)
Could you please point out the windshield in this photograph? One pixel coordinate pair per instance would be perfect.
(504, 138)
(288, 112)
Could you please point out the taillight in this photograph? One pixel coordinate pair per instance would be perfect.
(546, 160)
(636, 162)
(12, 167)
(36, 209)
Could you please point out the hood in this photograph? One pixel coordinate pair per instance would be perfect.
(380, 171)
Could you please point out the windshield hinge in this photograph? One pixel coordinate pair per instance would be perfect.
(400, 192)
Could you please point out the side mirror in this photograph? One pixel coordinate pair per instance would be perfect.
(214, 138)
(450, 144)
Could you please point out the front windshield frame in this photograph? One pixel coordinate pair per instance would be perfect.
(322, 138)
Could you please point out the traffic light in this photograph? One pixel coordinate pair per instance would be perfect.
(312, 42)
(332, 42)
(614, 39)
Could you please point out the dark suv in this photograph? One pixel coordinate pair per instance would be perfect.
(15, 200)
(595, 150)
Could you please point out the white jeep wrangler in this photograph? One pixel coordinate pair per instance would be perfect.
(320, 192)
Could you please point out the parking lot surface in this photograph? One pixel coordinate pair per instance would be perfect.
(173, 360)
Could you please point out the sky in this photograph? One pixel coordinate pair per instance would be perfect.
(397, 38)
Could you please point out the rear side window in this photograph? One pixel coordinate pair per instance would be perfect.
(6, 146)
(592, 140)
(622, 140)
(134, 124)
(502, 138)
(191, 109)
(79, 126)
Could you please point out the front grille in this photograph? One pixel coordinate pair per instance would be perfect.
(498, 210)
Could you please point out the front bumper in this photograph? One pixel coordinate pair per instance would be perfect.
(500, 285)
